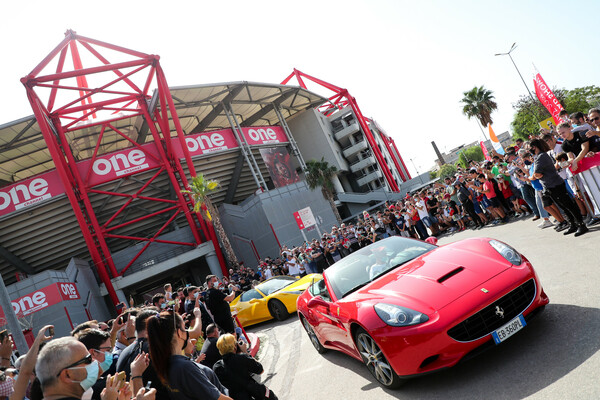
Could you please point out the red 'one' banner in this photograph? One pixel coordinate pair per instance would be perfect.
(547, 98)
(42, 298)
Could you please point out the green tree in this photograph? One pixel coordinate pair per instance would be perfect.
(433, 174)
(479, 103)
(200, 189)
(531, 112)
(320, 174)
(447, 170)
(473, 153)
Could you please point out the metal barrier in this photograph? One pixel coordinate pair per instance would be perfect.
(587, 177)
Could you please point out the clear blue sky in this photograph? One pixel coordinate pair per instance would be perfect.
(406, 62)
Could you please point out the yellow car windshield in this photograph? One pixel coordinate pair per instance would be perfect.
(275, 284)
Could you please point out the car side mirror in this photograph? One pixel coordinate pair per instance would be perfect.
(317, 301)
(432, 240)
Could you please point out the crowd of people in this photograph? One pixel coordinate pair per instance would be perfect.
(184, 343)
(532, 179)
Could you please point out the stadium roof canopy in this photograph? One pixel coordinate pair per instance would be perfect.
(23, 151)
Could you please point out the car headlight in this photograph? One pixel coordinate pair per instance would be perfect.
(394, 315)
(510, 254)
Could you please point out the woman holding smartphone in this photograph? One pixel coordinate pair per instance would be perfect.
(168, 338)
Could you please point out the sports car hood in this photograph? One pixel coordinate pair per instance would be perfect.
(440, 276)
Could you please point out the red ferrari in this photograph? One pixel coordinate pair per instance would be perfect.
(406, 307)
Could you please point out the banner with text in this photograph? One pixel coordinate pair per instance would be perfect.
(305, 218)
(206, 143)
(42, 298)
(119, 164)
(30, 192)
(545, 95)
(264, 135)
(133, 160)
(485, 152)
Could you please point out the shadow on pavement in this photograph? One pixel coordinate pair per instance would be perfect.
(558, 341)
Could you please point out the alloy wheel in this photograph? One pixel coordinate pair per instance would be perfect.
(375, 360)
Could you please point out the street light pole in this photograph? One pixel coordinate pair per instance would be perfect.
(415, 167)
(514, 46)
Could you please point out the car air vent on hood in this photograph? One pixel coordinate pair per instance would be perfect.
(450, 274)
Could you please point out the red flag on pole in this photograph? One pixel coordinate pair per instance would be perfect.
(485, 152)
(545, 95)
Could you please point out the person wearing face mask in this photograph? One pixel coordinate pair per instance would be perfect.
(168, 338)
(98, 344)
(66, 369)
(218, 304)
(195, 300)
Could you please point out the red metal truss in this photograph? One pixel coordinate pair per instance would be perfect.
(404, 171)
(390, 145)
(76, 102)
(339, 100)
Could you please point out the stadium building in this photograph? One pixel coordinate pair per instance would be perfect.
(91, 204)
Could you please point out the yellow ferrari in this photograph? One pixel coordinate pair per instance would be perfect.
(274, 298)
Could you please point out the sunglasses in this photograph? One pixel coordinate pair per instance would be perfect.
(85, 360)
(594, 119)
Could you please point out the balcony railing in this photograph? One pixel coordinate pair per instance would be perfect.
(370, 177)
(355, 148)
(349, 130)
(362, 164)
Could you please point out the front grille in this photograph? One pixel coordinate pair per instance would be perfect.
(486, 320)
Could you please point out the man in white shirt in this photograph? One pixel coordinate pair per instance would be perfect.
(292, 265)
(267, 272)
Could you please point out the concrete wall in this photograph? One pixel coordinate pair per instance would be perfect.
(80, 273)
(312, 133)
(251, 220)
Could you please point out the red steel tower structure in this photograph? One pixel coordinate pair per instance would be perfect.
(342, 98)
(85, 104)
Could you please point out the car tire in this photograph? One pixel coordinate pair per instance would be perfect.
(312, 335)
(278, 310)
(375, 361)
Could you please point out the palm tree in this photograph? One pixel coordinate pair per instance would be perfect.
(479, 103)
(319, 174)
(199, 189)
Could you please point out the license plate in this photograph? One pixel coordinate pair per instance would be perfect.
(509, 329)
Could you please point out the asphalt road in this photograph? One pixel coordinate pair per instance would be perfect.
(555, 357)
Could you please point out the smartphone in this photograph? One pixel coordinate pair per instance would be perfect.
(121, 378)
(124, 318)
(3, 335)
(51, 331)
(119, 308)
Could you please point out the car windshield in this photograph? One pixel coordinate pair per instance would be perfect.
(369, 263)
(275, 284)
